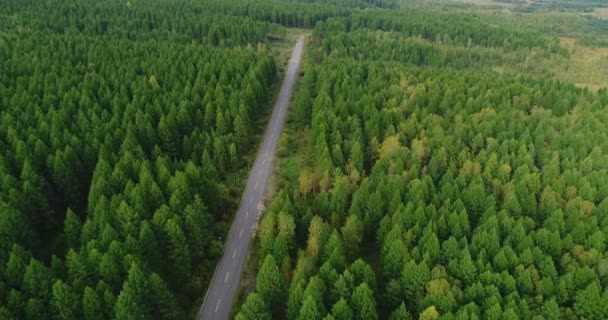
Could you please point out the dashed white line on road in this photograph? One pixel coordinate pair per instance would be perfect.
(264, 162)
(234, 253)
(241, 233)
(226, 279)
(246, 214)
(251, 199)
(256, 185)
(260, 173)
(218, 304)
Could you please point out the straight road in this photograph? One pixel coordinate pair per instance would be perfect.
(220, 294)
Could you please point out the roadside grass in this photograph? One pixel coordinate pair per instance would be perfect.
(281, 49)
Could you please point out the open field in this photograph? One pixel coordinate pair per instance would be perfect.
(601, 13)
(588, 66)
(488, 3)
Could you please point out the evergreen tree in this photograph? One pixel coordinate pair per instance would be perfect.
(341, 311)
(71, 229)
(254, 308)
(364, 303)
(132, 301)
(65, 302)
(269, 283)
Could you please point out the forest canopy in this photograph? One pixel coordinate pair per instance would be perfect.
(432, 167)
(419, 183)
(122, 126)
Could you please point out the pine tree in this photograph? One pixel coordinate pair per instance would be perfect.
(363, 303)
(589, 303)
(91, 305)
(163, 301)
(14, 229)
(400, 313)
(179, 251)
(341, 311)
(132, 300)
(71, 229)
(269, 283)
(65, 301)
(38, 280)
(413, 279)
(254, 308)
(15, 266)
(352, 235)
(429, 313)
(310, 309)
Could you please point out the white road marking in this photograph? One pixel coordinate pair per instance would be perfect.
(264, 162)
(256, 185)
(234, 253)
(226, 279)
(218, 304)
(260, 173)
(241, 233)
(246, 214)
(251, 199)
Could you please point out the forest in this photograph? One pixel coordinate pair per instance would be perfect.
(123, 127)
(437, 164)
(419, 183)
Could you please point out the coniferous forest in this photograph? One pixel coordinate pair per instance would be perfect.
(120, 125)
(427, 185)
(440, 160)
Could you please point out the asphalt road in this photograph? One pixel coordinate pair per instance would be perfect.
(222, 289)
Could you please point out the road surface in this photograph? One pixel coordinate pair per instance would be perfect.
(222, 289)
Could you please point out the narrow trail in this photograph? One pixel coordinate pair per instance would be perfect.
(219, 298)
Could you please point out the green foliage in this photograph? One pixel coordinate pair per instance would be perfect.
(431, 183)
(364, 303)
(269, 283)
(254, 308)
(71, 229)
(341, 311)
(400, 313)
(437, 186)
(357, 3)
(310, 310)
(120, 124)
(131, 303)
(65, 301)
(436, 24)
